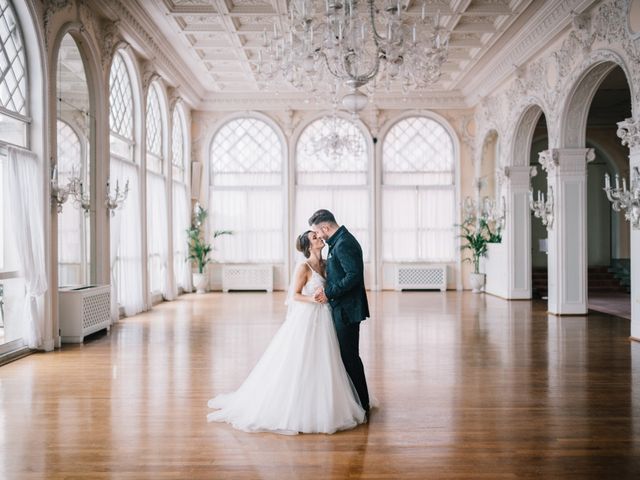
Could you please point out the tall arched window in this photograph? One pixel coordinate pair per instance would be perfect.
(157, 210)
(418, 179)
(14, 126)
(246, 194)
(181, 204)
(126, 247)
(332, 172)
(13, 80)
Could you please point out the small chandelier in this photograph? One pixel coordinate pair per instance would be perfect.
(334, 143)
(354, 42)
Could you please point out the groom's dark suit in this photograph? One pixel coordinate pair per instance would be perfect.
(348, 299)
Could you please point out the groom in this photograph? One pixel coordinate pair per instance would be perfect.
(344, 290)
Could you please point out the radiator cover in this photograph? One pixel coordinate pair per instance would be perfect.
(83, 311)
(421, 277)
(247, 277)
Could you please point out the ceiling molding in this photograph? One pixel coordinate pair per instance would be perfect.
(300, 101)
(540, 23)
(138, 29)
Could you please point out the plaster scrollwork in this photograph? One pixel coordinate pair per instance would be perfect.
(109, 40)
(502, 176)
(582, 30)
(51, 8)
(629, 132)
(149, 75)
(548, 159)
(88, 19)
(288, 122)
(466, 135)
(174, 98)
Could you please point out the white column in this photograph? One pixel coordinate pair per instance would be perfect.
(517, 232)
(567, 184)
(629, 132)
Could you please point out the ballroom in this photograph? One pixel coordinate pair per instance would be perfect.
(159, 160)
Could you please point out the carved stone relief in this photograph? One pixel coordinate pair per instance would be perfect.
(629, 132)
(51, 8)
(548, 159)
(109, 39)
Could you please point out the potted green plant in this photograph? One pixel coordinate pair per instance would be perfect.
(474, 233)
(199, 248)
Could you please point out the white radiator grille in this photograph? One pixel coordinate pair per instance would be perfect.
(247, 277)
(425, 277)
(83, 310)
(96, 309)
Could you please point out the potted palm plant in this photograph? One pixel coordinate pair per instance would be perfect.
(199, 248)
(476, 238)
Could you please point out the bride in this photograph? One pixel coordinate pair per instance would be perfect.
(299, 385)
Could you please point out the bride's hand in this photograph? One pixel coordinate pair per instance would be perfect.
(319, 296)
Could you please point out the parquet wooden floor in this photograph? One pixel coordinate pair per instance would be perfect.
(470, 386)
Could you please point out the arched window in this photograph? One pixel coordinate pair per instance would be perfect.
(181, 203)
(246, 192)
(14, 127)
(13, 80)
(157, 210)
(332, 172)
(126, 247)
(418, 179)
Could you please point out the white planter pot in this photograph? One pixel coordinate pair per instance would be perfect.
(200, 282)
(477, 282)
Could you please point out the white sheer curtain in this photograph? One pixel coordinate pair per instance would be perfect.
(181, 222)
(157, 234)
(418, 193)
(24, 185)
(334, 180)
(128, 262)
(246, 194)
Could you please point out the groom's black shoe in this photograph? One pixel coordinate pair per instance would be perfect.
(366, 414)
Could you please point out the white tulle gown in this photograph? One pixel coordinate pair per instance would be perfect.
(299, 385)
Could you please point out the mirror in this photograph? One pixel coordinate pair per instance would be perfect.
(74, 128)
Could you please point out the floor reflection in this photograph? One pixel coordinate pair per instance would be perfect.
(468, 385)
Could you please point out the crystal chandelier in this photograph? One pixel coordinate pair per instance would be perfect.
(334, 143)
(354, 42)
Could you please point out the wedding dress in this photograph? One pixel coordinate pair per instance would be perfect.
(299, 384)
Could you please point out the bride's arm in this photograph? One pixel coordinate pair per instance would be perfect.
(300, 280)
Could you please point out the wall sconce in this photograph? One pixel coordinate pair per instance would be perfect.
(623, 199)
(79, 196)
(59, 194)
(115, 201)
(543, 209)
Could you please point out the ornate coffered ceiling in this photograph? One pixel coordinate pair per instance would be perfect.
(219, 40)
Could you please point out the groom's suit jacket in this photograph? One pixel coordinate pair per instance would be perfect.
(345, 279)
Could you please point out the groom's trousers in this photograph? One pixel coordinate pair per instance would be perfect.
(349, 340)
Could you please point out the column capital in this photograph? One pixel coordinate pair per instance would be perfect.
(517, 175)
(566, 160)
(629, 132)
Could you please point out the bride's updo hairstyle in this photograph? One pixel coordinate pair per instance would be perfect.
(303, 244)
